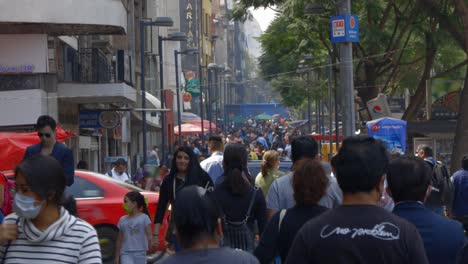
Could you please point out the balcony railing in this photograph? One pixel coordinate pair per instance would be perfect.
(88, 65)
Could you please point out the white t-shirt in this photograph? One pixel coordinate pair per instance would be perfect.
(120, 177)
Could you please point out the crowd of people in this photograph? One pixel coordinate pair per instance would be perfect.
(310, 216)
(219, 212)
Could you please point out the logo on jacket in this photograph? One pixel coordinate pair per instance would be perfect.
(382, 231)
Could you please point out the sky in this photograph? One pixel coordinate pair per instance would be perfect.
(263, 16)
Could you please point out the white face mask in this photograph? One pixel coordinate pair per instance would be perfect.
(24, 206)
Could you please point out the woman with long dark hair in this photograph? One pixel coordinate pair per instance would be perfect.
(185, 171)
(309, 184)
(240, 202)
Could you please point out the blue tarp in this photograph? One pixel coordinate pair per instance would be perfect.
(390, 130)
(252, 110)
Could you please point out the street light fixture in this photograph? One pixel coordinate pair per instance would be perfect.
(158, 22)
(177, 36)
(190, 51)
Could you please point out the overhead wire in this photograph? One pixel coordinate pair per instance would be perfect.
(245, 81)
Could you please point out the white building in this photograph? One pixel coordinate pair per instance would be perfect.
(81, 57)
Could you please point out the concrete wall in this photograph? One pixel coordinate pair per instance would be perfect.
(23, 107)
(90, 12)
(23, 53)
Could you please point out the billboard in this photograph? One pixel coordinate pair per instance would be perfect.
(445, 94)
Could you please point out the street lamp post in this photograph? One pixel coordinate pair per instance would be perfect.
(178, 36)
(179, 114)
(211, 69)
(159, 22)
(309, 103)
(304, 68)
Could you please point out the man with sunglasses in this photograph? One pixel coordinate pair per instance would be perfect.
(49, 146)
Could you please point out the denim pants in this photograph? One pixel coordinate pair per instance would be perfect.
(133, 257)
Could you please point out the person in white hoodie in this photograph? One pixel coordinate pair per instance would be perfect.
(41, 230)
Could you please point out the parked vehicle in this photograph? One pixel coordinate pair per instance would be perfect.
(255, 166)
(99, 201)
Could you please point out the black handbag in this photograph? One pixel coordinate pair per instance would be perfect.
(239, 234)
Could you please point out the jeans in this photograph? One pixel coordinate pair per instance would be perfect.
(133, 257)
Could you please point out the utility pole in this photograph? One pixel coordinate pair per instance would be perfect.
(346, 78)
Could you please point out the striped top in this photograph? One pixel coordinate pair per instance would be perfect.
(69, 240)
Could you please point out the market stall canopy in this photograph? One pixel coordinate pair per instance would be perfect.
(236, 119)
(190, 129)
(13, 146)
(264, 117)
(392, 131)
(187, 117)
(206, 124)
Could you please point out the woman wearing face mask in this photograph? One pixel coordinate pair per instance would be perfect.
(185, 171)
(40, 228)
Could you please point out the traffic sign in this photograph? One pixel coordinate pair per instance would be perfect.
(344, 28)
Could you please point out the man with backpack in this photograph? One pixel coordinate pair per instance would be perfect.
(440, 200)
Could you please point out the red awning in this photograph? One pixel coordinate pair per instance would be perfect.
(13, 146)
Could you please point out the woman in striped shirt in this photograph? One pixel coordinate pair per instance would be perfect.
(41, 230)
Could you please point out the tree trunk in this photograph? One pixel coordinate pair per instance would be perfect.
(418, 99)
(460, 146)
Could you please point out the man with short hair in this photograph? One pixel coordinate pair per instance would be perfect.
(442, 188)
(261, 140)
(281, 195)
(460, 182)
(409, 180)
(198, 227)
(214, 164)
(359, 231)
(118, 171)
(49, 146)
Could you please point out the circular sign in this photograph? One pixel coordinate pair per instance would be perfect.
(375, 128)
(377, 109)
(187, 97)
(109, 119)
(352, 22)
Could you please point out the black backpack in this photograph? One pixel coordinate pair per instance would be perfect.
(239, 235)
(442, 193)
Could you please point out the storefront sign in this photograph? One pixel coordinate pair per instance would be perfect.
(89, 119)
(16, 69)
(189, 24)
(445, 98)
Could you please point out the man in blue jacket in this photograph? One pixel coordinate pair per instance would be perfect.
(409, 180)
(49, 146)
(460, 200)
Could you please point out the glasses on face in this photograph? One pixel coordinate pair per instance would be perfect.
(41, 135)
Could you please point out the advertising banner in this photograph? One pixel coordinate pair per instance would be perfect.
(390, 130)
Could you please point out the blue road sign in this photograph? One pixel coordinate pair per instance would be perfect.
(344, 28)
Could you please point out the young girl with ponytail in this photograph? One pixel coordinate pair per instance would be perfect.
(134, 231)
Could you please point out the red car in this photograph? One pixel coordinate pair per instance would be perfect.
(99, 202)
